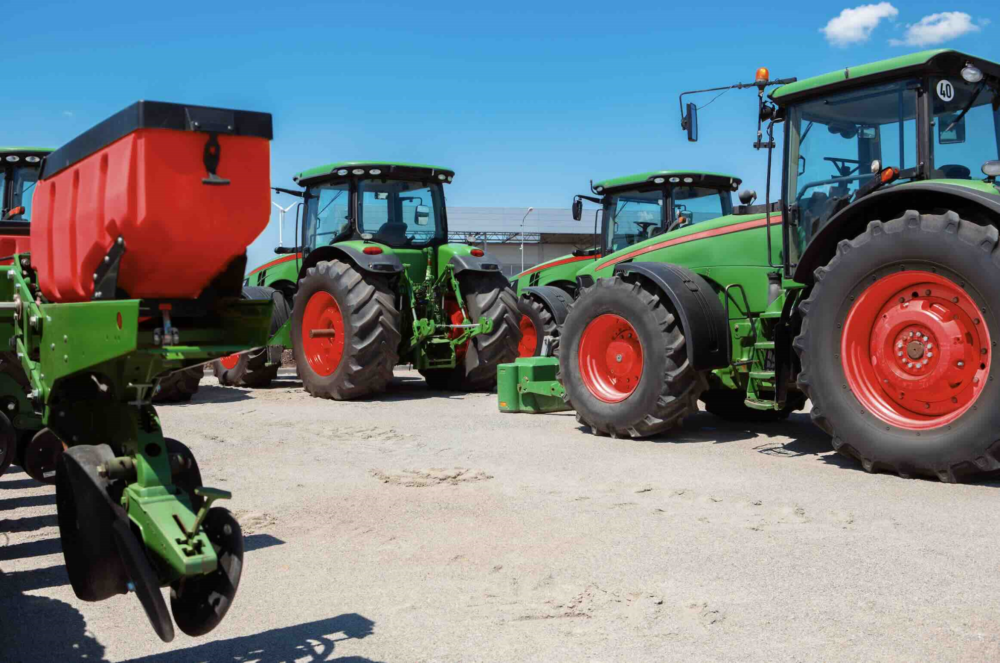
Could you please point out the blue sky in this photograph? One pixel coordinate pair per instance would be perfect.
(527, 101)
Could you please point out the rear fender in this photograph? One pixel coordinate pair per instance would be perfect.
(385, 263)
(702, 315)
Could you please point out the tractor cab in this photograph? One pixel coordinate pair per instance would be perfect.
(929, 119)
(638, 207)
(399, 206)
(19, 169)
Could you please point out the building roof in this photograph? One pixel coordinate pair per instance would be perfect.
(696, 177)
(385, 166)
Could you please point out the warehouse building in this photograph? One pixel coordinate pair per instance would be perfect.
(547, 233)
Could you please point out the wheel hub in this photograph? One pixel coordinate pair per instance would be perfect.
(915, 350)
(323, 333)
(611, 358)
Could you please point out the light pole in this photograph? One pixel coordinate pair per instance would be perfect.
(281, 220)
(530, 210)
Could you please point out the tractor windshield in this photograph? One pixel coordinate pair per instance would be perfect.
(832, 142)
(327, 214)
(632, 217)
(401, 213)
(18, 184)
(961, 144)
(638, 215)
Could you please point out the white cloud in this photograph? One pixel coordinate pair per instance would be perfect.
(937, 29)
(68, 113)
(854, 26)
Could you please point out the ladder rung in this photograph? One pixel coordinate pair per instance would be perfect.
(770, 314)
(760, 405)
(764, 345)
(762, 375)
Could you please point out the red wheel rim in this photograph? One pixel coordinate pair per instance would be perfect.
(610, 358)
(529, 338)
(323, 333)
(229, 361)
(455, 317)
(915, 350)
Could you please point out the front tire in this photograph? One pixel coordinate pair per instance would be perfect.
(536, 323)
(345, 331)
(623, 361)
(258, 367)
(896, 346)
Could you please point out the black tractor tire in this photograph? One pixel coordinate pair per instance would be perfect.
(958, 252)
(486, 295)
(179, 386)
(730, 404)
(258, 367)
(536, 323)
(668, 388)
(371, 323)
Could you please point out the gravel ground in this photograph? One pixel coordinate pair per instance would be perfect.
(424, 526)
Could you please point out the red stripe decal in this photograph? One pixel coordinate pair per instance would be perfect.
(556, 264)
(715, 232)
(276, 262)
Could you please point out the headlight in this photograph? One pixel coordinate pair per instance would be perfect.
(971, 74)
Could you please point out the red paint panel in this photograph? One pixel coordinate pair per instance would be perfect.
(147, 188)
(11, 244)
(715, 232)
(564, 261)
(275, 262)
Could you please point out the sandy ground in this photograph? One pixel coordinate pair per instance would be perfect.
(424, 526)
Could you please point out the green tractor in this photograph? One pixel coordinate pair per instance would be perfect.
(374, 283)
(872, 287)
(112, 284)
(632, 210)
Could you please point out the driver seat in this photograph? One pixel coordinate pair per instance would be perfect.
(392, 233)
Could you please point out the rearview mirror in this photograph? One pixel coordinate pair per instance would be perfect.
(15, 211)
(691, 122)
(577, 209)
(422, 215)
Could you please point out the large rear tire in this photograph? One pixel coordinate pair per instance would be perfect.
(623, 361)
(179, 386)
(490, 296)
(896, 346)
(536, 323)
(258, 367)
(345, 331)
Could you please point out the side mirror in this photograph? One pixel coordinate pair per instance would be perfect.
(691, 122)
(577, 209)
(422, 215)
(15, 211)
(747, 196)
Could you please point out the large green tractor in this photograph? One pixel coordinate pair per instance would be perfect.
(632, 211)
(872, 287)
(374, 283)
(126, 268)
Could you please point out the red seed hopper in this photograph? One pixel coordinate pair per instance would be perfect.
(173, 193)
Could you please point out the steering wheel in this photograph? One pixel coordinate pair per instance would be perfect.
(954, 171)
(644, 226)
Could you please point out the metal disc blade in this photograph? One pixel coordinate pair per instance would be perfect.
(147, 587)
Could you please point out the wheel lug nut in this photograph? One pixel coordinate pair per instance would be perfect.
(925, 338)
(930, 354)
(961, 364)
(930, 345)
(899, 354)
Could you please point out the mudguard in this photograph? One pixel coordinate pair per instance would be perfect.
(382, 263)
(556, 300)
(703, 317)
(484, 263)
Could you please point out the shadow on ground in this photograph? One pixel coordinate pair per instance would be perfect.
(303, 643)
(210, 393)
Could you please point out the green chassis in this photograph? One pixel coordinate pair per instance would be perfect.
(91, 373)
